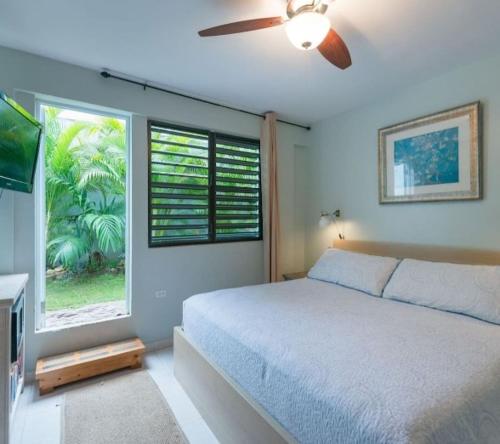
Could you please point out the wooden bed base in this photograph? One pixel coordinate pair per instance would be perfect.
(422, 252)
(232, 415)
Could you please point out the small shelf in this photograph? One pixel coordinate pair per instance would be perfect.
(12, 357)
(13, 407)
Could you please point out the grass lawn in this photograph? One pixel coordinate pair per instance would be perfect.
(84, 290)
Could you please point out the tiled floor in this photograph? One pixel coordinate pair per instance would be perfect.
(38, 419)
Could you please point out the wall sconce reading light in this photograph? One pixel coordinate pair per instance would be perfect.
(326, 219)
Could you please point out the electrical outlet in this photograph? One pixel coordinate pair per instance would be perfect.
(160, 294)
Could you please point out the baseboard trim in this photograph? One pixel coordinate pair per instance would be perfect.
(159, 345)
(29, 377)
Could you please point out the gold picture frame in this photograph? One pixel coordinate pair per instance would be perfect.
(433, 158)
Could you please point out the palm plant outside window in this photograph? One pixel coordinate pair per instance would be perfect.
(85, 167)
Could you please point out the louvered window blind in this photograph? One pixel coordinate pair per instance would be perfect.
(204, 187)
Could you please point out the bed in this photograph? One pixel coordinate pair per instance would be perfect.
(315, 362)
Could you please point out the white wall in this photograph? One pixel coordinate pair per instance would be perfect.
(182, 271)
(343, 157)
(6, 232)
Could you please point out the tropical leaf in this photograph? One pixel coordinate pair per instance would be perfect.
(94, 177)
(67, 250)
(108, 230)
(101, 172)
(62, 157)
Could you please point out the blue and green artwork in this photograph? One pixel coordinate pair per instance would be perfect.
(429, 159)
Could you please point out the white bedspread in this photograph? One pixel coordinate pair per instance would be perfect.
(335, 365)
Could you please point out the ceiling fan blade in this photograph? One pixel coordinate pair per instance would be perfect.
(244, 26)
(335, 50)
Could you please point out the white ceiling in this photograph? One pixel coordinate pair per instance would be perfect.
(394, 43)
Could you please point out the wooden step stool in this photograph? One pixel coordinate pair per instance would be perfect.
(58, 370)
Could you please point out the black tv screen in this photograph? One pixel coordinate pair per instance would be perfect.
(19, 143)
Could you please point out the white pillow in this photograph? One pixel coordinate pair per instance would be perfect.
(354, 270)
(467, 289)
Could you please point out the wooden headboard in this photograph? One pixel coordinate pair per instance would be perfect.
(423, 252)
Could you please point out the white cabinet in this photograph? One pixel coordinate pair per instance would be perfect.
(12, 346)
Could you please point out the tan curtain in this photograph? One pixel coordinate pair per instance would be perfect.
(270, 206)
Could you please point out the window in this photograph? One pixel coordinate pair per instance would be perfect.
(204, 187)
(82, 202)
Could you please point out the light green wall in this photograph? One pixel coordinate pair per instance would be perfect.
(344, 164)
(6, 232)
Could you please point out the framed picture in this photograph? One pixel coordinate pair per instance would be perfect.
(433, 158)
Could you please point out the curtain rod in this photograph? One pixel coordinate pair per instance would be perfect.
(108, 75)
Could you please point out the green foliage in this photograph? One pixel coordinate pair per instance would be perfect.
(66, 250)
(85, 168)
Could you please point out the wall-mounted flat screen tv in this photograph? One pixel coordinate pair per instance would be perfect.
(20, 137)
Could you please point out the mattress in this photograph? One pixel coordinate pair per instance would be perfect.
(334, 365)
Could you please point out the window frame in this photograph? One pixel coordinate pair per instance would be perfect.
(212, 145)
(40, 216)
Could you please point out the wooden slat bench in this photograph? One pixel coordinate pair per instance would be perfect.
(54, 371)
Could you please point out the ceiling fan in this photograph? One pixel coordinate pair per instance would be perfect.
(307, 28)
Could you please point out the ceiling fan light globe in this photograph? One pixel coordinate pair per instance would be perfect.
(307, 30)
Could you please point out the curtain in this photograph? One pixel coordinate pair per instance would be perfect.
(270, 205)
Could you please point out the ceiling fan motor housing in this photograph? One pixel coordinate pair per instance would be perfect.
(296, 7)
